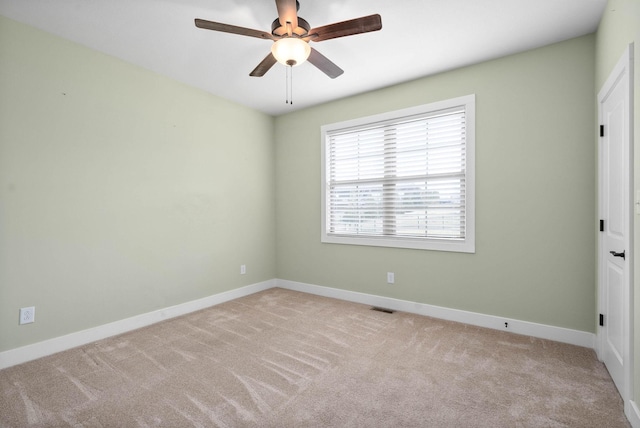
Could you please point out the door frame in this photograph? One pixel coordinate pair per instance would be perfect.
(622, 70)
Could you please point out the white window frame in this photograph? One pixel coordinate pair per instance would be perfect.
(466, 245)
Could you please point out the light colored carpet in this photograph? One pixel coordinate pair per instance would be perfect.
(281, 358)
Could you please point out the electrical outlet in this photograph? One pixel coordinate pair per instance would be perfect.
(27, 315)
(391, 278)
(243, 269)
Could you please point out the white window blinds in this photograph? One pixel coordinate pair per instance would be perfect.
(404, 177)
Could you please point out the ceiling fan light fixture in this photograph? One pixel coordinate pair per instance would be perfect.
(291, 51)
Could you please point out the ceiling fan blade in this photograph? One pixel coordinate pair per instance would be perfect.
(288, 12)
(264, 66)
(226, 28)
(324, 64)
(346, 28)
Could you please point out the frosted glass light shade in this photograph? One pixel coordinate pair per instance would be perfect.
(291, 51)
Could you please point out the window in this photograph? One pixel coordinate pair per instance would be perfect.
(402, 179)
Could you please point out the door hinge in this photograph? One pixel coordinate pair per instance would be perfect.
(601, 225)
(601, 320)
(602, 130)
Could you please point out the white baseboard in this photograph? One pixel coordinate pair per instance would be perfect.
(633, 414)
(41, 349)
(23, 354)
(542, 331)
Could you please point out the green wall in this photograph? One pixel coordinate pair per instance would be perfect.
(121, 191)
(620, 26)
(535, 175)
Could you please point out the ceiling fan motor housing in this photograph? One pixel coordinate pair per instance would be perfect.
(281, 30)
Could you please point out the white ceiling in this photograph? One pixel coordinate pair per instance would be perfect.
(418, 38)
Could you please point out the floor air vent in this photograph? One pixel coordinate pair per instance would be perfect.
(386, 311)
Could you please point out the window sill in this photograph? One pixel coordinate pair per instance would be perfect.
(415, 244)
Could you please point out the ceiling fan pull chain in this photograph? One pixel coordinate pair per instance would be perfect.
(286, 84)
(291, 86)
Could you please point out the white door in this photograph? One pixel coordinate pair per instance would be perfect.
(615, 199)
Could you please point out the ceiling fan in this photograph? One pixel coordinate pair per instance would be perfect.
(292, 34)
